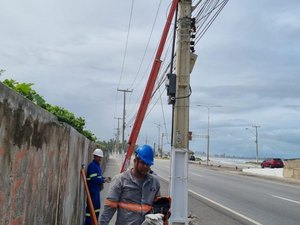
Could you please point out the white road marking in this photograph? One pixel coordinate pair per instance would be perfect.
(290, 200)
(222, 206)
(197, 174)
(228, 209)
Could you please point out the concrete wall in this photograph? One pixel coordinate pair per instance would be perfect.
(292, 169)
(40, 162)
(275, 172)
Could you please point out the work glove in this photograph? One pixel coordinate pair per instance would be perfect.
(154, 219)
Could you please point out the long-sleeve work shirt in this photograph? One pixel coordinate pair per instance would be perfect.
(132, 198)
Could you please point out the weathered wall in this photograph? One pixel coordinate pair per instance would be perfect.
(292, 169)
(40, 162)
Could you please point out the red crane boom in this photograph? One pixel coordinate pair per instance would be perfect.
(149, 88)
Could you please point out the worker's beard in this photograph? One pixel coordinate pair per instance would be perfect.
(143, 172)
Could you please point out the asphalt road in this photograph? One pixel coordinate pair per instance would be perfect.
(227, 197)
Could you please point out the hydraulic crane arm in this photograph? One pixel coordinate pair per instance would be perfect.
(149, 88)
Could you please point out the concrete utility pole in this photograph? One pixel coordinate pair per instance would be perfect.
(256, 139)
(162, 144)
(158, 140)
(180, 145)
(208, 129)
(118, 136)
(124, 115)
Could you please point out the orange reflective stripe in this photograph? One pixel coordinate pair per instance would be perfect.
(128, 206)
(146, 208)
(156, 198)
(135, 207)
(111, 204)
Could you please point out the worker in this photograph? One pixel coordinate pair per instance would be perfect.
(95, 181)
(132, 193)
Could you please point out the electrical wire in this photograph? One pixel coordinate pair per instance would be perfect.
(125, 53)
(204, 19)
(140, 66)
(161, 81)
(164, 118)
(159, 78)
(204, 14)
(148, 42)
(208, 25)
(126, 44)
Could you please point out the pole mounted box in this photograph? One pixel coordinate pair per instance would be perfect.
(171, 87)
(171, 84)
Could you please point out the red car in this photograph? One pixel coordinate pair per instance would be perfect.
(272, 163)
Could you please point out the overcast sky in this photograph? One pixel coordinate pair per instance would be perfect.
(248, 63)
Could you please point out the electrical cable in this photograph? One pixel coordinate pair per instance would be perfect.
(202, 16)
(159, 78)
(171, 70)
(207, 10)
(149, 111)
(126, 44)
(160, 82)
(164, 118)
(187, 96)
(148, 42)
(125, 53)
(200, 35)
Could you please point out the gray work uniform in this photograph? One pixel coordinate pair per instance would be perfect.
(131, 198)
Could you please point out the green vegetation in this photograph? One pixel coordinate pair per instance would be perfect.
(106, 145)
(62, 114)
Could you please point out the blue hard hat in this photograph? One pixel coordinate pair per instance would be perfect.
(145, 153)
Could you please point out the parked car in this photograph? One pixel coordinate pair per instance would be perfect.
(272, 163)
(192, 158)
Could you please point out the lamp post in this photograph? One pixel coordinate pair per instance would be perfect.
(256, 138)
(158, 140)
(208, 136)
(162, 144)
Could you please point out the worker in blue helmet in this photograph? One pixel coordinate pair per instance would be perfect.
(133, 192)
(144, 155)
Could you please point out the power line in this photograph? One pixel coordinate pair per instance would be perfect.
(126, 44)
(125, 53)
(159, 78)
(204, 14)
(148, 42)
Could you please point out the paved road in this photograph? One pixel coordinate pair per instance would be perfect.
(249, 199)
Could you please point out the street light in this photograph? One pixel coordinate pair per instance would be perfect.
(256, 138)
(208, 108)
(158, 140)
(162, 143)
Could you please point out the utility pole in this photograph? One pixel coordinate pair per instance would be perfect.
(118, 136)
(180, 145)
(208, 130)
(124, 115)
(162, 144)
(158, 140)
(256, 139)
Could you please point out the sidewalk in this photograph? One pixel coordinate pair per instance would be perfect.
(112, 168)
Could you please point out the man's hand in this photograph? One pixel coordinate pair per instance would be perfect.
(107, 179)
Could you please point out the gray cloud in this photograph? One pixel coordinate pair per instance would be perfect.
(248, 62)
